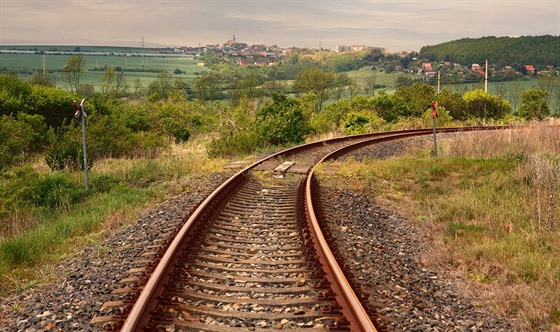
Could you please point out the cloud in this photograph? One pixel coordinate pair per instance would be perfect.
(397, 24)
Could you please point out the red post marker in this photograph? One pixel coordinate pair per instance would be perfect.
(78, 111)
(434, 109)
(434, 116)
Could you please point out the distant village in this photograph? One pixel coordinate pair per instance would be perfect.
(258, 54)
(265, 55)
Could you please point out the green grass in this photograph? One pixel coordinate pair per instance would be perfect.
(33, 245)
(119, 190)
(381, 78)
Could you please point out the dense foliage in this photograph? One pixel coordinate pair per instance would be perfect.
(539, 51)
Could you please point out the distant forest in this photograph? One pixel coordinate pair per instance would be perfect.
(539, 51)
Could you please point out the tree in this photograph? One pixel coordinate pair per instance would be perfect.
(15, 95)
(236, 130)
(160, 88)
(369, 85)
(534, 105)
(515, 91)
(402, 81)
(113, 84)
(108, 81)
(546, 83)
(42, 78)
(206, 86)
(280, 122)
(389, 107)
(137, 87)
(121, 85)
(418, 96)
(73, 70)
(243, 88)
(316, 81)
(480, 104)
(341, 82)
(352, 88)
(453, 103)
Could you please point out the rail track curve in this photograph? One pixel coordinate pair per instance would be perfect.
(252, 255)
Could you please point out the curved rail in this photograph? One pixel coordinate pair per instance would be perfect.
(351, 305)
(146, 301)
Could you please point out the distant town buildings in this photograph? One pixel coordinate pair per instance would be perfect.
(357, 48)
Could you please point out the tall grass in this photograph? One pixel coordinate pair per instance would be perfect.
(489, 205)
(36, 234)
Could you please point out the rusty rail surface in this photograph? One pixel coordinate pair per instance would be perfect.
(138, 317)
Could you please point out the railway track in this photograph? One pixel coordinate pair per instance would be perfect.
(250, 257)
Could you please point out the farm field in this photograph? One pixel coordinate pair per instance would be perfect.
(26, 65)
(146, 69)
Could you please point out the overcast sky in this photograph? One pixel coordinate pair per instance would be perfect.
(396, 25)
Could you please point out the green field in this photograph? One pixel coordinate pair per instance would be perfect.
(27, 64)
(146, 67)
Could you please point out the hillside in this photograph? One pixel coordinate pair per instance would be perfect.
(539, 51)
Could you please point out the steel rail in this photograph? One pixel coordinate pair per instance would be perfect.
(136, 319)
(351, 305)
(153, 287)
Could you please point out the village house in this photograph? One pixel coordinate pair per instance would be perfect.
(476, 68)
(530, 69)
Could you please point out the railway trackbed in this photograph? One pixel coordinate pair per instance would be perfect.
(251, 257)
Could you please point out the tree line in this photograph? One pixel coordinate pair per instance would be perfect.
(37, 120)
(540, 51)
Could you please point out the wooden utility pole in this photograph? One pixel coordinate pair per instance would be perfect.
(438, 79)
(486, 77)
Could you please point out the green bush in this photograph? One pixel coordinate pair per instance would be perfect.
(20, 137)
(232, 145)
(55, 105)
(65, 151)
(176, 129)
(280, 122)
(56, 191)
(361, 122)
(534, 105)
(17, 190)
(15, 95)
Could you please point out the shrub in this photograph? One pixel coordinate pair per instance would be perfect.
(65, 151)
(232, 145)
(361, 122)
(534, 105)
(280, 122)
(15, 95)
(443, 119)
(176, 129)
(17, 191)
(56, 105)
(56, 191)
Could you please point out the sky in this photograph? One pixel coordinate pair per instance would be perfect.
(395, 25)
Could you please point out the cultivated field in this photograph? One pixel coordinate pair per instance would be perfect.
(144, 68)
